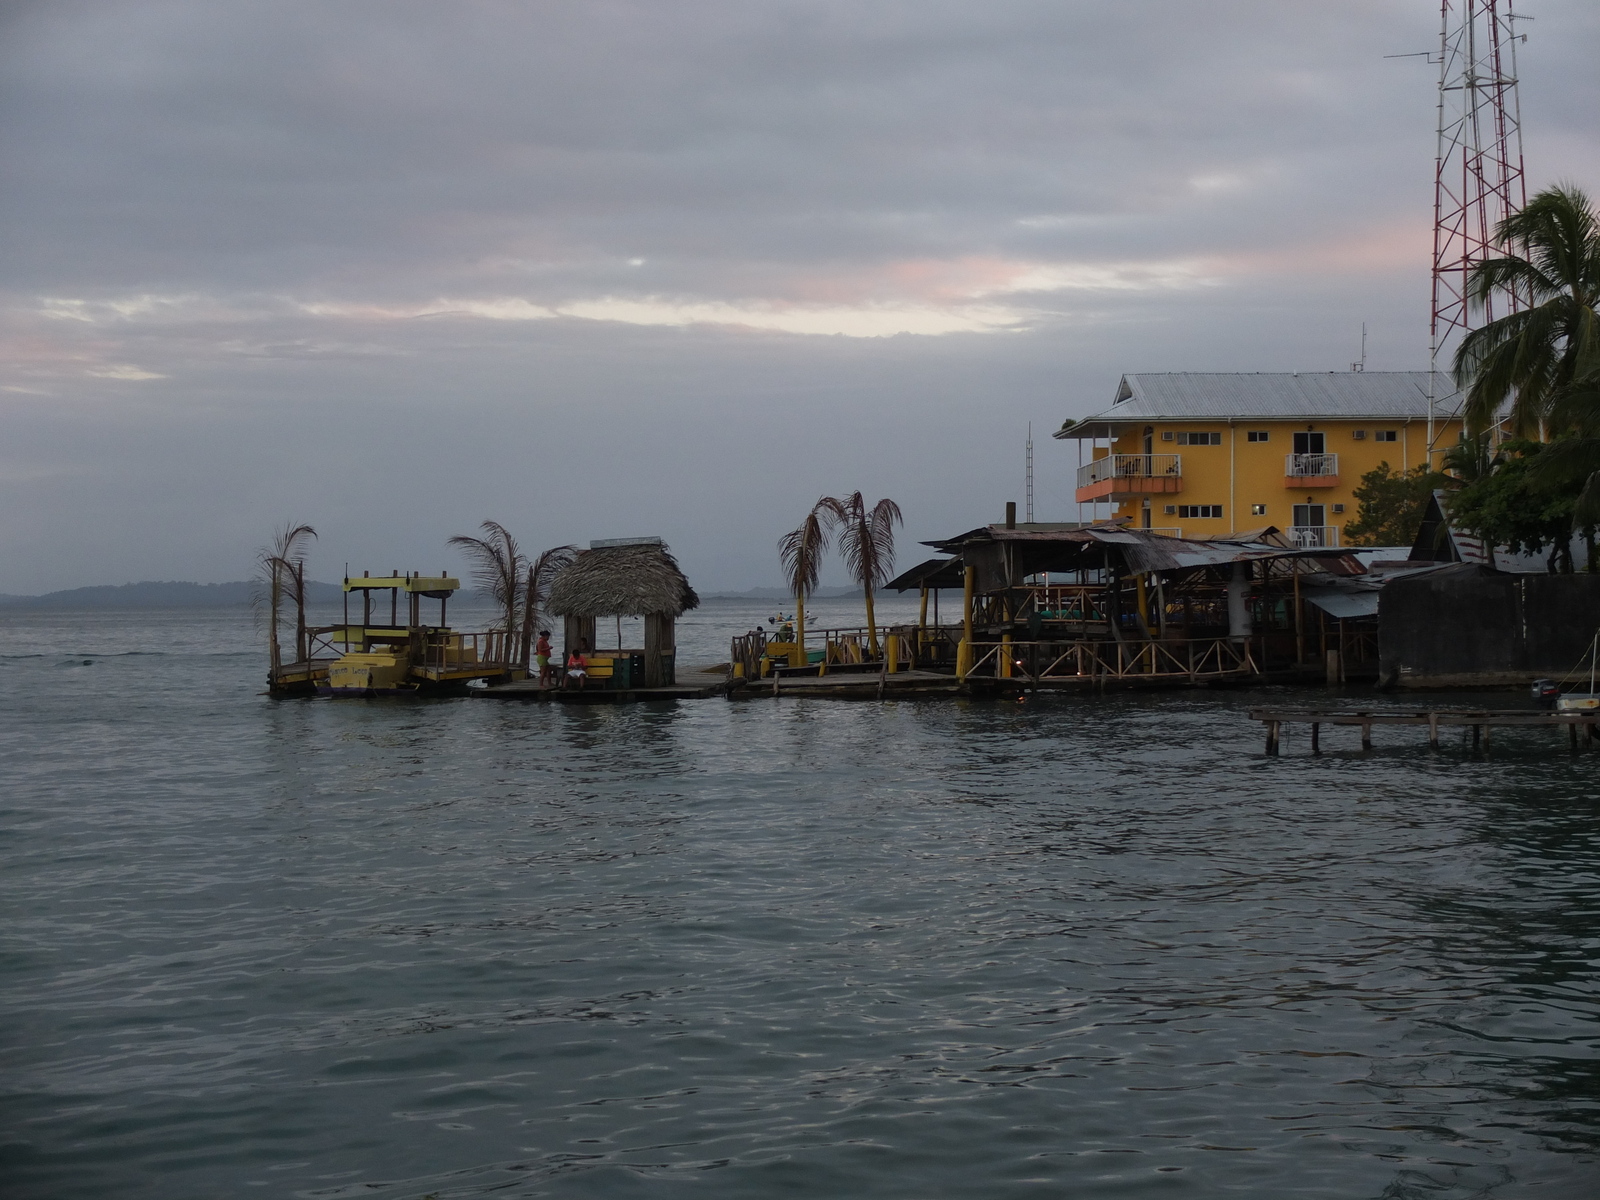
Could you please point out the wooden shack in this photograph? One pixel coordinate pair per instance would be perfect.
(625, 577)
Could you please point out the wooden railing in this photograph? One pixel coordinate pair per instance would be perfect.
(1193, 658)
(456, 650)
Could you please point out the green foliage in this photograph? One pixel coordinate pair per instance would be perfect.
(1511, 507)
(1533, 355)
(1391, 505)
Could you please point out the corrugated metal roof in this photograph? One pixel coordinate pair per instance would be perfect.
(1303, 395)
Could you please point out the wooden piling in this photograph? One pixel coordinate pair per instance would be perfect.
(1433, 731)
(1316, 737)
(1366, 735)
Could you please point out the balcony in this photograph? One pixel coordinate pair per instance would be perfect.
(1311, 537)
(1311, 471)
(1129, 477)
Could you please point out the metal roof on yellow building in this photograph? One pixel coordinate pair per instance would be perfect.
(1283, 395)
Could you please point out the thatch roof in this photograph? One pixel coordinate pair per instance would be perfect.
(622, 581)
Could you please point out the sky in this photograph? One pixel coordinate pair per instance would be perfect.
(605, 268)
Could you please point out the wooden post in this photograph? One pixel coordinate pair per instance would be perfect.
(1333, 668)
(922, 628)
(659, 638)
(1477, 736)
(1005, 655)
(1572, 735)
(1366, 735)
(1433, 731)
(1316, 739)
(964, 651)
(1299, 619)
(891, 653)
(1272, 739)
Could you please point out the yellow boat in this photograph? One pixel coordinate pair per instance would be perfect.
(394, 659)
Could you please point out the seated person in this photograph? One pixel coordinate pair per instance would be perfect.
(577, 668)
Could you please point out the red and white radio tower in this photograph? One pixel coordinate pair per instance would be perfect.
(1478, 177)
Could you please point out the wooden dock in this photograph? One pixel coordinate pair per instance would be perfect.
(698, 683)
(1480, 721)
(852, 685)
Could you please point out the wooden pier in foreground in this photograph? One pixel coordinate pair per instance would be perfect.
(1480, 721)
(697, 683)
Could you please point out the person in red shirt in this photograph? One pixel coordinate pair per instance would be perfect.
(577, 668)
(541, 654)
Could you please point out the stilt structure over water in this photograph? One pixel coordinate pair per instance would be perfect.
(1064, 606)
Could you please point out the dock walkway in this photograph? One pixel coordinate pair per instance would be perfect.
(853, 685)
(1480, 721)
(698, 683)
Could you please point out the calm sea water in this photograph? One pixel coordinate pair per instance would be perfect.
(1091, 947)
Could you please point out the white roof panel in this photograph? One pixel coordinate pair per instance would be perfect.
(1297, 395)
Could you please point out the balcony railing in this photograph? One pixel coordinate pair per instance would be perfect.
(1130, 466)
(1303, 465)
(1307, 537)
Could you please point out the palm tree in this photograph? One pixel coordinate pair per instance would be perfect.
(283, 574)
(497, 567)
(866, 540)
(536, 590)
(1469, 460)
(801, 551)
(1553, 263)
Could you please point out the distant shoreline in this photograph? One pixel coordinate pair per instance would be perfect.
(242, 593)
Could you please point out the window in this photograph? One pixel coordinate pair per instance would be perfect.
(1193, 511)
(1258, 510)
(1199, 439)
(1258, 435)
(1385, 435)
(1310, 443)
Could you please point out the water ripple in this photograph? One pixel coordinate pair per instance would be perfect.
(1091, 946)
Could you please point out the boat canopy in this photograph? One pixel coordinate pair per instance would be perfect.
(435, 587)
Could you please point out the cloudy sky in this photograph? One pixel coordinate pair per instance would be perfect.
(598, 268)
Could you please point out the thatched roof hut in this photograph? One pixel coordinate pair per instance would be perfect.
(633, 578)
(628, 577)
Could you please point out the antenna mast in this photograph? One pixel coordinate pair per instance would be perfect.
(1029, 490)
(1478, 179)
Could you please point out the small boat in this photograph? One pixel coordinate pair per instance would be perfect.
(1580, 698)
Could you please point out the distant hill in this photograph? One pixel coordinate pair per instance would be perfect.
(152, 594)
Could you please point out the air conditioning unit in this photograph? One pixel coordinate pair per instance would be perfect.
(1167, 435)
(1170, 509)
(1338, 508)
(1360, 435)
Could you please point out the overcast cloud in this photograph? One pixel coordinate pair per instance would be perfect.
(602, 268)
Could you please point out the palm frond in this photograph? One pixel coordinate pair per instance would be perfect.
(497, 567)
(801, 550)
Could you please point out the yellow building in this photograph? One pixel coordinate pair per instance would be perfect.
(1203, 455)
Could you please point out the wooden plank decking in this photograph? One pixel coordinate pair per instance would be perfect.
(695, 683)
(853, 685)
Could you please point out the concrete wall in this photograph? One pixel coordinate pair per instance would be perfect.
(1468, 626)
(1240, 474)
